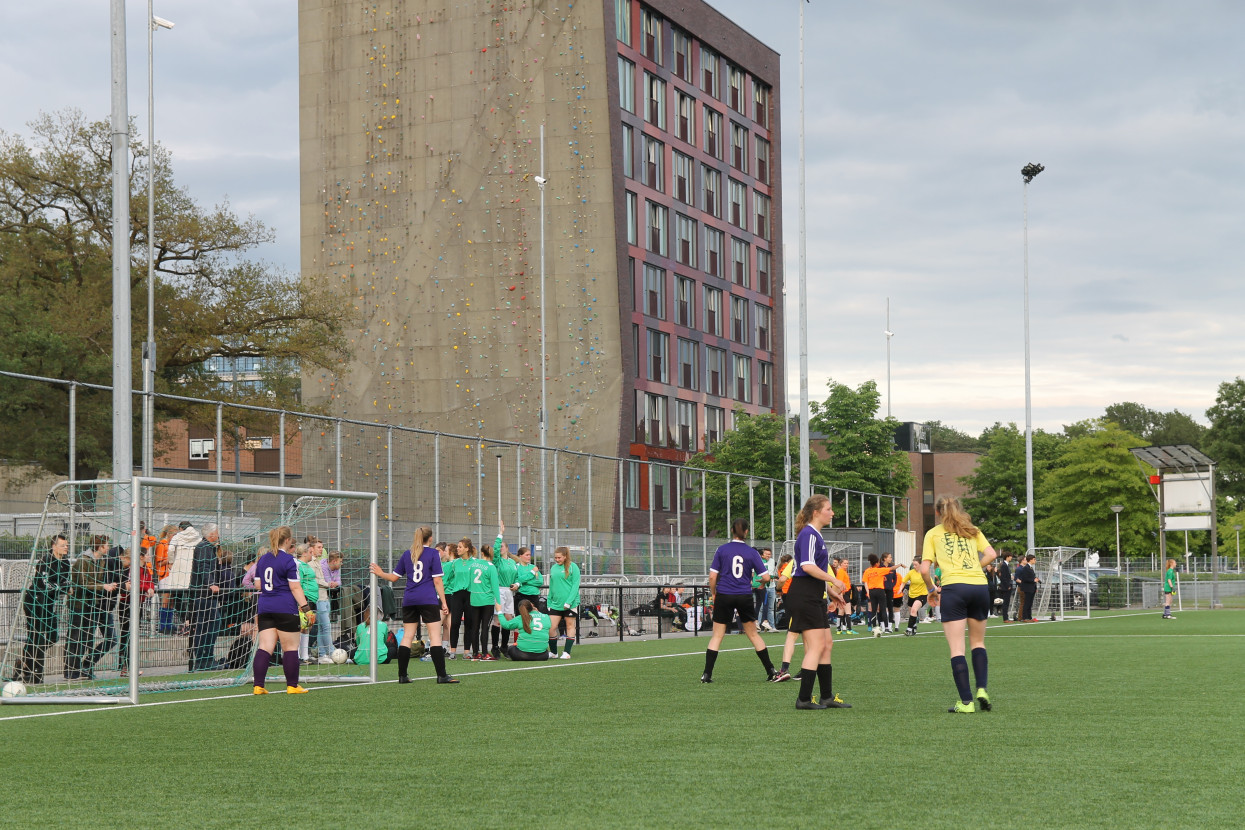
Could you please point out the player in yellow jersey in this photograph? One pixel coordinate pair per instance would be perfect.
(960, 551)
(918, 594)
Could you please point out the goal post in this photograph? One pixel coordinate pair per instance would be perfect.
(1066, 590)
(78, 636)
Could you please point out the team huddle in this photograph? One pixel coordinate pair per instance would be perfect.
(815, 595)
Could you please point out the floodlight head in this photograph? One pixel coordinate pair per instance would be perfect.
(161, 23)
(889, 333)
(540, 180)
(1030, 171)
(1117, 507)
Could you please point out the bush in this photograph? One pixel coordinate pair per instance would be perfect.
(1112, 591)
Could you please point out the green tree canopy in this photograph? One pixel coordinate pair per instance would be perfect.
(56, 292)
(1225, 442)
(1155, 427)
(946, 438)
(1093, 472)
(997, 486)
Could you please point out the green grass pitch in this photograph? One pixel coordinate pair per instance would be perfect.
(1119, 721)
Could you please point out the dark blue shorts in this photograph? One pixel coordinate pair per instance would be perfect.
(964, 602)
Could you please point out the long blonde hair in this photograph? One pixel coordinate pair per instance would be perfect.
(955, 519)
(525, 611)
(810, 507)
(278, 535)
(423, 536)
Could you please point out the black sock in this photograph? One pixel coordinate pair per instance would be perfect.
(404, 659)
(570, 641)
(785, 665)
(763, 655)
(495, 636)
(438, 659)
(807, 676)
(711, 657)
(959, 671)
(827, 684)
(912, 621)
(980, 667)
(553, 646)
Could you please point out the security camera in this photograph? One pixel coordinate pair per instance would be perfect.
(541, 180)
(161, 23)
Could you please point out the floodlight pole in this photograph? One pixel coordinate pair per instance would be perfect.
(1116, 508)
(544, 415)
(889, 335)
(1029, 171)
(122, 374)
(804, 427)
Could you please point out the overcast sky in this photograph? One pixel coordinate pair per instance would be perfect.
(919, 118)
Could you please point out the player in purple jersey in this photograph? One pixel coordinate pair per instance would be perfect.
(730, 592)
(806, 602)
(283, 612)
(422, 600)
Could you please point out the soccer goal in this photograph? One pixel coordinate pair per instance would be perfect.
(1066, 590)
(80, 636)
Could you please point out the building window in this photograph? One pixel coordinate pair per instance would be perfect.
(658, 229)
(709, 71)
(200, 447)
(689, 377)
(685, 240)
(658, 352)
(737, 204)
(685, 418)
(685, 302)
(626, 84)
(715, 367)
(628, 151)
(635, 346)
(631, 277)
(650, 25)
(743, 377)
(711, 187)
(682, 177)
(766, 390)
(682, 55)
(713, 311)
(655, 101)
(715, 425)
(651, 421)
(739, 262)
(760, 103)
(764, 323)
(632, 499)
(735, 80)
(739, 320)
(660, 474)
(684, 116)
(622, 20)
(739, 148)
(764, 265)
(713, 133)
(654, 155)
(632, 218)
(760, 205)
(762, 159)
(714, 244)
(654, 291)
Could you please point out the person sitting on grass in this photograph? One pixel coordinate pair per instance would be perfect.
(532, 640)
(362, 638)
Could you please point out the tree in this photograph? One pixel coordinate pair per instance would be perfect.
(945, 438)
(860, 447)
(997, 486)
(56, 292)
(1093, 472)
(753, 448)
(1157, 428)
(1225, 442)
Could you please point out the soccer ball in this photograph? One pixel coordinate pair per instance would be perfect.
(339, 655)
(877, 632)
(14, 688)
(998, 600)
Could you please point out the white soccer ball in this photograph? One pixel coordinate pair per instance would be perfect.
(14, 688)
(998, 600)
(877, 632)
(339, 655)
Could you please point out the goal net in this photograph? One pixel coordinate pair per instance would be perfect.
(1065, 588)
(77, 633)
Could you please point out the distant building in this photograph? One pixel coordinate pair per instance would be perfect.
(936, 474)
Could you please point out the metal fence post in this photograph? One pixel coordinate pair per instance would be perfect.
(728, 504)
(704, 523)
(652, 568)
(479, 492)
(219, 462)
(73, 433)
(622, 533)
(337, 479)
(436, 482)
(518, 487)
(554, 481)
(389, 491)
(591, 520)
(281, 458)
(773, 528)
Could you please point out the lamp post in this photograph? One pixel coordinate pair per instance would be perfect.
(1028, 172)
(752, 486)
(676, 552)
(804, 429)
(544, 415)
(149, 347)
(1116, 508)
(889, 334)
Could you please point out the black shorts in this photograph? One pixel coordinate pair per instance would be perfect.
(564, 612)
(725, 606)
(806, 605)
(877, 597)
(534, 599)
(964, 602)
(421, 613)
(281, 622)
(923, 599)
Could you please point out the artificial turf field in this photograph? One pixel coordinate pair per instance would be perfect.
(1118, 721)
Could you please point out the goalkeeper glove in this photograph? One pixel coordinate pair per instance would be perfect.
(306, 617)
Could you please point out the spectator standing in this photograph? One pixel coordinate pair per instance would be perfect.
(324, 626)
(50, 580)
(167, 623)
(147, 590)
(203, 587)
(1006, 585)
(87, 594)
(766, 617)
(1027, 582)
(736, 567)
(181, 556)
